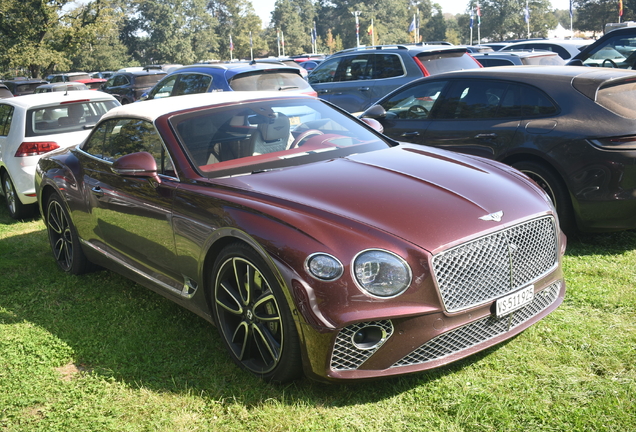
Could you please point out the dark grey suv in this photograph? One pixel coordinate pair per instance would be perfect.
(356, 78)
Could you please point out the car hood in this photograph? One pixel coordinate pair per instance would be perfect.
(427, 196)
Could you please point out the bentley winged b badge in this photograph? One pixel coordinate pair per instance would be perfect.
(496, 217)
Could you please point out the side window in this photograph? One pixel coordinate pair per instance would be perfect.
(119, 80)
(94, 145)
(326, 72)
(192, 84)
(6, 115)
(119, 137)
(355, 68)
(477, 99)
(535, 103)
(387, 66)
(164, 88)
(414, 102)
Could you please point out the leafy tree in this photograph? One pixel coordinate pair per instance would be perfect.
(237, 18)
(504, 19)
(28, 32)
(592, 15)
(295, 18)
(171, 31)
(95, 28)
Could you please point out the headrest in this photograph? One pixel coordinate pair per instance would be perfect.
(276, 129)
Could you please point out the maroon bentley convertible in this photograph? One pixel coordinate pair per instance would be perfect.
(310, 240)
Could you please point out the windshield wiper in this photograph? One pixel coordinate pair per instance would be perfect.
(287, 88)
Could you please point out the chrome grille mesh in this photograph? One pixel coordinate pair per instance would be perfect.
(480, 271)
(346, 356)
(479, 331)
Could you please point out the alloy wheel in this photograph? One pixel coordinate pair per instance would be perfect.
(60, 235)
(248, 315)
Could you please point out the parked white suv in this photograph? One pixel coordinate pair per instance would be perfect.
(34, 125)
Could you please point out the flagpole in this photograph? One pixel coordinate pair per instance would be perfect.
(372, 33)
(251, 48)
(282, 40)
(278, 41)
(231, 49)
(417, 26)
(357, 14)
(478, 25)
(571, 14)
(528, 18)
(471, 25)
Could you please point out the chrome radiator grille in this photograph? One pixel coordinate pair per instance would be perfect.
(479, 331)
(346, 355)
(482, 270)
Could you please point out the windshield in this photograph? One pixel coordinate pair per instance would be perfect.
(66, 117)
(268, 80)
(270, 134)
(617, 52)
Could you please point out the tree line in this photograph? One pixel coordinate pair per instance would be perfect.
(42, 36)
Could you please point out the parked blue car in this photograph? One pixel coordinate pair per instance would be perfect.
(214, 77)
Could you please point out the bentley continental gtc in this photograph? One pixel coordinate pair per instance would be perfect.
(311, 241)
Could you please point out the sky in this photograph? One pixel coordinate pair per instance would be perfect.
(264, 8)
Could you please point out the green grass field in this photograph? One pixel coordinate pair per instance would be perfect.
(100, 353)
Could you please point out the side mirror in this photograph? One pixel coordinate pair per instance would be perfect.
(374, 124)
(375, 112)
(140, 164)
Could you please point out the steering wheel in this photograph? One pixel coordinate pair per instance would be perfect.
(417, 110)
(304, 136)
(610, 61)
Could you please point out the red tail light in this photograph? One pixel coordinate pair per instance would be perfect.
(35, 148)
(421, 66)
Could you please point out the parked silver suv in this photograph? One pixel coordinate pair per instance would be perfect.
(354, 79)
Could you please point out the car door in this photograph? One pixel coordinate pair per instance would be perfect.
(477, 116)
(408, 110)
(118, 86)
(130, 217)
(345, 81)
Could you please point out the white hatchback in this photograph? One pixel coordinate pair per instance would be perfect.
(34, 125)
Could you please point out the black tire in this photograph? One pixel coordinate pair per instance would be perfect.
(554, 186)
(252, 315)
(64, 240)
(17, 210)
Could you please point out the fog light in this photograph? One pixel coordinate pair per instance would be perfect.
(368, 337)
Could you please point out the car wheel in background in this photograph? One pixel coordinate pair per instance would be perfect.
(554, 186)
(252, 315)
(64, 239)
(17, 210)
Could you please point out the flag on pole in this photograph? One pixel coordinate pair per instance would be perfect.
(412, 26)
(571, 11)
(620, 8)
(231, 44)
(314, 35)
(472, 16)
(370, 30)
(526, 14)
(251, 42)
(478, 15)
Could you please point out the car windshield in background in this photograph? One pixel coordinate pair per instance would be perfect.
(269, 135)
(275, 80)
(617, 52)
(446, 61)
(68, 117)
(148, 80)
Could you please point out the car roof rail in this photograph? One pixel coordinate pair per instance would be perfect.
(372, 47)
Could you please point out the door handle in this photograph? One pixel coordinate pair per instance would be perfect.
(410, 134)
(363, 88)
(323, 91)
(486, 136)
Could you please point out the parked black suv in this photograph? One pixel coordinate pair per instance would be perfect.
(129, 86)
(354, 79)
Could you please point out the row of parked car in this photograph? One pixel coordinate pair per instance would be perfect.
(318, 241)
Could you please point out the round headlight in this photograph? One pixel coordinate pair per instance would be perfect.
(381, 273)
(324, 267)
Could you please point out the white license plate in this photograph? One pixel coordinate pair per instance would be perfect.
(514, 301)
